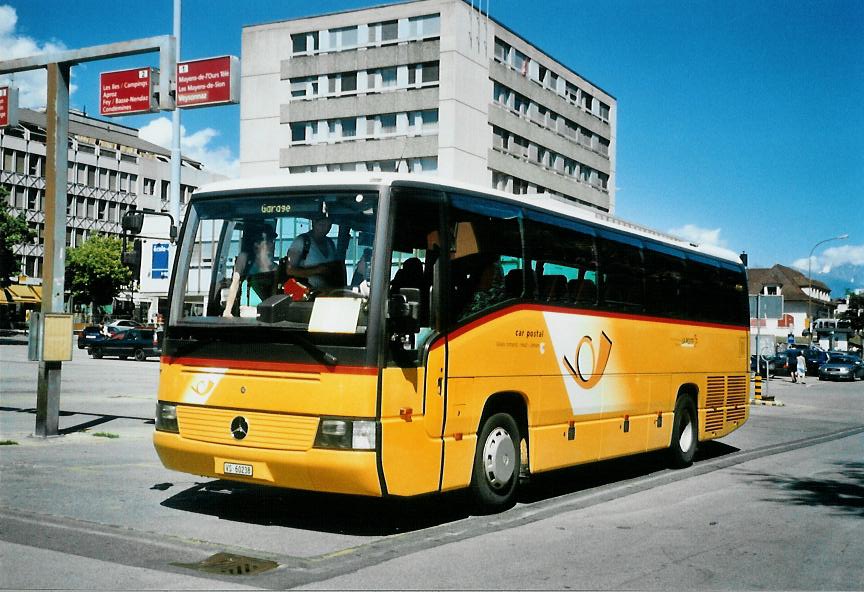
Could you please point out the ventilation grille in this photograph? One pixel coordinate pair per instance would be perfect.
(726, 401)
(264, 430)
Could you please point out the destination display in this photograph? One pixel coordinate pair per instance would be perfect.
(208, 82)
(128, 92)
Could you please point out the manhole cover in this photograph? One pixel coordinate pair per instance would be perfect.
(230, 564)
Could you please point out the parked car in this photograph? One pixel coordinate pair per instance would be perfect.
(94, 333)
(763, 366)
(815, 357)
(841, 366)
(138, 343)
(123, 324)
(784, 362)
(89, 335)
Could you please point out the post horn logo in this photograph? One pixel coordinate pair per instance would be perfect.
(239, 427)
(586, 379)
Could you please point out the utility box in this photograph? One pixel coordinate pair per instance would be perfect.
(50, 338)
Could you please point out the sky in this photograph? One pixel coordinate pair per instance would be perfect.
(739, 122)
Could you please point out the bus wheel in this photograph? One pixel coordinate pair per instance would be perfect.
(139, 355)
(96, 354)
(685, 432)
(496, 463)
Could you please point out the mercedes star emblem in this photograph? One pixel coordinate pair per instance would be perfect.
(239, 427)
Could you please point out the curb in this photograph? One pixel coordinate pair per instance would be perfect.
(767, 403)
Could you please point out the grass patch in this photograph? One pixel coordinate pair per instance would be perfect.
(8, 443)
(110, 435)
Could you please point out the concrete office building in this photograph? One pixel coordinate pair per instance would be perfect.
(111, 170)
(424, 86)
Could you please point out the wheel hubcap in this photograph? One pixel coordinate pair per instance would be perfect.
(499, 458)
(686, 438)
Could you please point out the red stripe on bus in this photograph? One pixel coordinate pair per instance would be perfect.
(233, 364)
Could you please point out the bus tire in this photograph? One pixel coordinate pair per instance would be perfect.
(496, 464)
(97, 355)
(685, 434)
(139, 355)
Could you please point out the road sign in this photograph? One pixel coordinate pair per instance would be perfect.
(8, 106)
(207, 82)
(128, 92)
(769, 307)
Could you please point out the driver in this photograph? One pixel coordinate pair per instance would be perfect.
(313, 258)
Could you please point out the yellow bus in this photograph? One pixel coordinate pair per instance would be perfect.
(395, 335)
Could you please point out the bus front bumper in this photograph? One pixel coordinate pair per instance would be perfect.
(333, 471)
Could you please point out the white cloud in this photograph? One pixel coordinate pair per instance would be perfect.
(832, 257)
(197, 146)
(705, 237)
(32, 85)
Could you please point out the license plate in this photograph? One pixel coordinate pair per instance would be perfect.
(235, 469)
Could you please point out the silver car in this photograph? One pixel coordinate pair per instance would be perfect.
(841, 366)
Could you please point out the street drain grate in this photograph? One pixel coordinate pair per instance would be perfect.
(230, 564)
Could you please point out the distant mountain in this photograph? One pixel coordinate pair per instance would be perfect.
(842, 278)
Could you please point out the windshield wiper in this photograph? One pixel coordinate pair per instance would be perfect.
(316, 352)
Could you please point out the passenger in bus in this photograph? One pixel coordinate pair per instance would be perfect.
(255, 264)
(313, 257)
(409, 276)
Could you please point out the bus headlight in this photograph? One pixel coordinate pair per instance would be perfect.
(166, 417)
(345, 434)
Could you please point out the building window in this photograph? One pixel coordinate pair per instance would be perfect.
(305, 42)
(388, 77)
(424, 26)
(388, 123)
(298, 134)
(343, 38)
(502, 50)
(429, 120)
(604, 111)
(430, 72)
(348, 127)
(349, 82)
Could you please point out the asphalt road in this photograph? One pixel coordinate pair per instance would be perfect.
(777, 505)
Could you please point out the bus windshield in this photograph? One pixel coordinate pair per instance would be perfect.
(297, 261)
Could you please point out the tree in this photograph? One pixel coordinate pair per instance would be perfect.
(13, 231)
(855, 313)
(94, 271)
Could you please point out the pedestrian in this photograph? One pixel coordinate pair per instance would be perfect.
(802, 366)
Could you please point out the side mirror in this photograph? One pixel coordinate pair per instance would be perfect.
(132, 222)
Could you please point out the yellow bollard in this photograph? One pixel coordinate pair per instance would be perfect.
(757, 387)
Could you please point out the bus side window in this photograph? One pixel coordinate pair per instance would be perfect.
(485, 258)
(564, 262)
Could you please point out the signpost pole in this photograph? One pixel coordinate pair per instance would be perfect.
(48, 385)
(176, 156)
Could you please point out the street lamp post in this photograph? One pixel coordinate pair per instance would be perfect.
(810, 278)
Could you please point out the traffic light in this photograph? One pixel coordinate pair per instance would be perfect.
(132, 258)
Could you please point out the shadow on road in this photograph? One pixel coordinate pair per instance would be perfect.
(360, 516)
(342, 514)
(99, 419)
(589, 476)
(841, 490)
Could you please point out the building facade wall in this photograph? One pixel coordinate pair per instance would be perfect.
(110, 171)
(425, 86)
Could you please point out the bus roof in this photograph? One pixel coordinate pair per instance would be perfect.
(372, 181)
